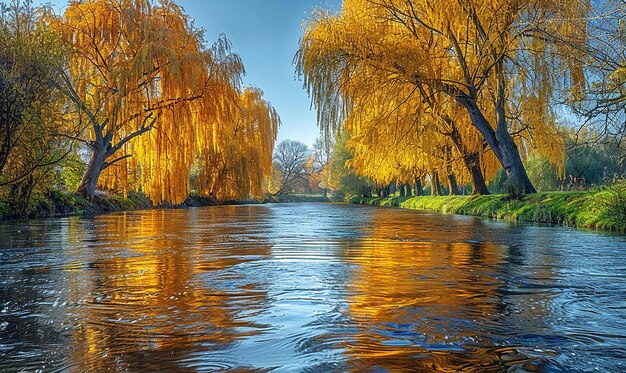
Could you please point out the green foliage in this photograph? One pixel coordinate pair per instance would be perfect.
(60, 203)
(343, 179)
(614, 201)
(542, 174)
(586, 165)
(592, 163)
(599, 208)
(5, 211)
(32, 109)
(70, 172)
(498, 184)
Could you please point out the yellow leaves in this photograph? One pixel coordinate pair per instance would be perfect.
(618, 77)
(388, 73)
(239, 160)
(135, 61)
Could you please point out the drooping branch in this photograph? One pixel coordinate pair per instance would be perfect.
(147, 125)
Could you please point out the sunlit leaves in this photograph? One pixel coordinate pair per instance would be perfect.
(155, 101)
(240, 159)
(412, 79)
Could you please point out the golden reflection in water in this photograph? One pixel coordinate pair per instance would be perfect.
(155, 301)
(412, 295)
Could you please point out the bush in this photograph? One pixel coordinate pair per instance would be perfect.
(614, 202)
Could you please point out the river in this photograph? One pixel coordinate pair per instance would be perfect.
(308, 287)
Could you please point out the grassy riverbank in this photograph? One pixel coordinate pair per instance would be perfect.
(600, 208)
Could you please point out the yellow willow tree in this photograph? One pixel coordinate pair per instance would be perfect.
(353, 86)
(138, 69)
(389, 117)
(236, 164)
(469, 50)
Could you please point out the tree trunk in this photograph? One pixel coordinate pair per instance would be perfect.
(400, 187)
(519, 183)
(102, 147)
(435, 184)
(478, 180)
(417, 188)
(505, 149)
(409, 190)
(500, 140)
(454, 188)
(392, 188)
(471, 160)
(97, 163)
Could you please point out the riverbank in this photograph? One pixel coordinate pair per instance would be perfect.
(600, 208)
(59, 204)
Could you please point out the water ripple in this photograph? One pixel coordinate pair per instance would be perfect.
(308, 287)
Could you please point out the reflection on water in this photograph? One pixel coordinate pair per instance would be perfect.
(308, 287)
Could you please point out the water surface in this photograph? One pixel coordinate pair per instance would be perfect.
(308, 287)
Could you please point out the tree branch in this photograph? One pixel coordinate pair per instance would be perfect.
(111, 163)
(143, 129)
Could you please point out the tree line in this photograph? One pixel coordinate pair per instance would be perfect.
(126, 95)
(477, 93)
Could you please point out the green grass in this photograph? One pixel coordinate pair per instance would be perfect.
(600, 208)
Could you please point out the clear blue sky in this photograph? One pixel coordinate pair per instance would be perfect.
(265, 33)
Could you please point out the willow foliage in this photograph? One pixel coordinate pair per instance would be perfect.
(154, 99)
(239, 161)
(400, 73)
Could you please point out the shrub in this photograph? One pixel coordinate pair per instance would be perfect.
(614, 202)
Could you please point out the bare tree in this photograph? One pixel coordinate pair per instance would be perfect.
(322, 153)
(290, 158)
(603, 106)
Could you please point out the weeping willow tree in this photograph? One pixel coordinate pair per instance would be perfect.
(487, 56)
(400, 132)
(152, 98)
(239, 159)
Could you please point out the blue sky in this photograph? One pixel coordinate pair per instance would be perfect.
(265, 33)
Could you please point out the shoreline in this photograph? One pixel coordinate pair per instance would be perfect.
(598, 209)
(64, 204)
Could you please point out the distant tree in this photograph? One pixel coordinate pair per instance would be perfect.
(543, 174)
(342, 177)
(322, 153)
(591, 164)
(290, 158)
